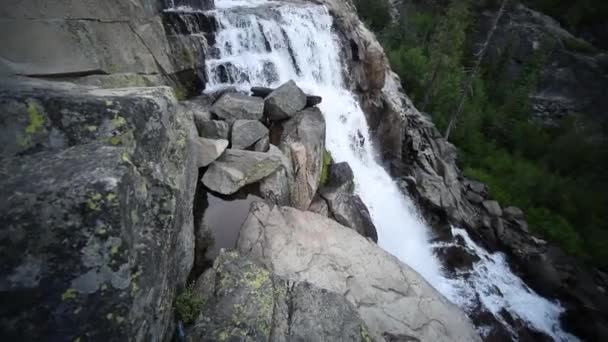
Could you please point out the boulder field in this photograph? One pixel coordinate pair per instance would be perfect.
(99, 239)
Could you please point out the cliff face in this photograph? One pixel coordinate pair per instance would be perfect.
(573, 73)
(114, 43)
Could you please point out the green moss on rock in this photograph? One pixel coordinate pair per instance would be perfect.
(188, 305)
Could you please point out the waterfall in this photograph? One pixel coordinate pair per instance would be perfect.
(265, 43)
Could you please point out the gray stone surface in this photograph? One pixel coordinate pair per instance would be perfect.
(208, 150)
(246, 302)
(319, 206)
(262, 145)
(237, 168)
(96, 211)
(213, 129)
(303, 142)
(245, 133)
(234, 106)
(284, 102)
(275, 188)
(493, 208)
(390, 297)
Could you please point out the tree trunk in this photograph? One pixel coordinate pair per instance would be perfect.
(469, 83)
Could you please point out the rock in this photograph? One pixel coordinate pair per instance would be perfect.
(390, 297)
(375, 66)
(248, 300)
(477, 187)
(208, 150)
(98, 175)
(303, 142)
(474, 197)
(101, 40)
(213, 129)
(261, 91)
(457, 258)
(513, 213)
(493, 208)
(234, 106)
(246, 133)
(312, 101)
(319, 206)
(341, 178)
(237, 168)
(543, 274)
(262, 145)
(275, 188)
(199, 111)
(284, 102)
(344, 206)
(349, 210)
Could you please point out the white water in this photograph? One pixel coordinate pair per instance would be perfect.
(258, 47)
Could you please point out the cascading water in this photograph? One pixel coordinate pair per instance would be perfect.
(264, 43)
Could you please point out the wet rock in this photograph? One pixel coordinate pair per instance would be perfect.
(248, 300)
(213, 129)
(492, 208)
(237, 168)
(261, 91)
(312, 101)
(284, 102)
(457, 258)
(233, 106)
(303, 142)
(390, 297)
(246, 133)
(208, 150)
(95, 268)
(344, 206)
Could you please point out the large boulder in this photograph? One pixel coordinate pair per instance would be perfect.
(284, 102)
(96, 204)
(246, 133)
(244, 301)
(391, 298)
(234, 106)
(303, 142)
(237, 168)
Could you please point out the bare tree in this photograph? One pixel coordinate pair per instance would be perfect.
(475, 70)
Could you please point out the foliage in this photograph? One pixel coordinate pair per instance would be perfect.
(327, 161)
(188, 305)
(376, 13)
(573, 14)
(556, 175)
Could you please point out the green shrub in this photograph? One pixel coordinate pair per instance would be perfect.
(376, 13)
(327, 161)
(188, 305)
